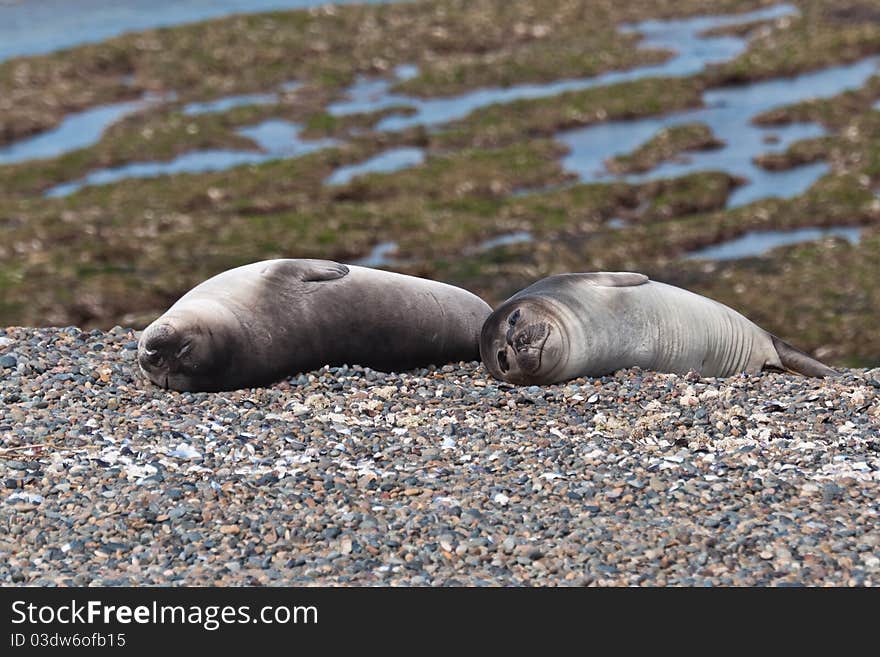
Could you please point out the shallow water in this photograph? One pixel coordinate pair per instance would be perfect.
(79, 130)
(692, 54)
(231, 102)
(277, 140)
(85, 129)
(388, 161)
(508, 239)
(228, 103)
(755, 243)
(381, 256)
(369, 95)
(32, 27)
(728, 112)
(385, 254)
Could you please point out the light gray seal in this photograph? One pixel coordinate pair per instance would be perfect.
(572, 325)
(253, 325)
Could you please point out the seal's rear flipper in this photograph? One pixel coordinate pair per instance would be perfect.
(795, 360)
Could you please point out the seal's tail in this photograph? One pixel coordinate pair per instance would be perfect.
(796, 361)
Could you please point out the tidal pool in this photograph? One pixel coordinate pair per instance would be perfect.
(692, 53)
(519, 237)
(76, 131)
(380, 256)
(276, 139)
(759, 242)
(388, 161)
(40, 26)
(728, 112)
(231, 102)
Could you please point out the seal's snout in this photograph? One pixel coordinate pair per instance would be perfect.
(176, 353)
(521, 344)
(160, 337)
(159, 345)
(151, 358)
(528, 344)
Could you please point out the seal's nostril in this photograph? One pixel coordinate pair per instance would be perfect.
(151, 357)
(502, 360)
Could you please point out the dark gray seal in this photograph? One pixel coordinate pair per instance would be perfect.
(592, 324)
(255, 324)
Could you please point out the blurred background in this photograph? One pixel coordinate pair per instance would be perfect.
(730, 147)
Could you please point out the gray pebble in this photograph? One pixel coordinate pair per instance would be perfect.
(349, 476)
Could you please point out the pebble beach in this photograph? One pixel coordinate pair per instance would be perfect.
(440, 476)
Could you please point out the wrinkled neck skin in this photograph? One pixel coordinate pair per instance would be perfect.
(602, 333)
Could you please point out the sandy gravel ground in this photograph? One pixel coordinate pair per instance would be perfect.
(434, 477)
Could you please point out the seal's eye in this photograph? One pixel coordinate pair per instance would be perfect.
(184, 349)
(514, 316)
(502, 361)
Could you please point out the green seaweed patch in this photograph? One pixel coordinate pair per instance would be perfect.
(743, 30)
(543, 54)
(581, 208)
(669, 143)
(325, 124)
(494, 275)
(822, 296)
(835, 200)
(834, 113)
(796, 45)
(327, 49)
(692, 194)
(504, 123)
(569, 233)
(801, 152)
(159, 138)
(469, 172)
(161, 134)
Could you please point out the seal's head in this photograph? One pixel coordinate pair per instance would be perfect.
(186, 350)
(523, 342)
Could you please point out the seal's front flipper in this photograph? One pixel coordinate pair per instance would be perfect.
(796, 361)
(612, 278)
(306, 271)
